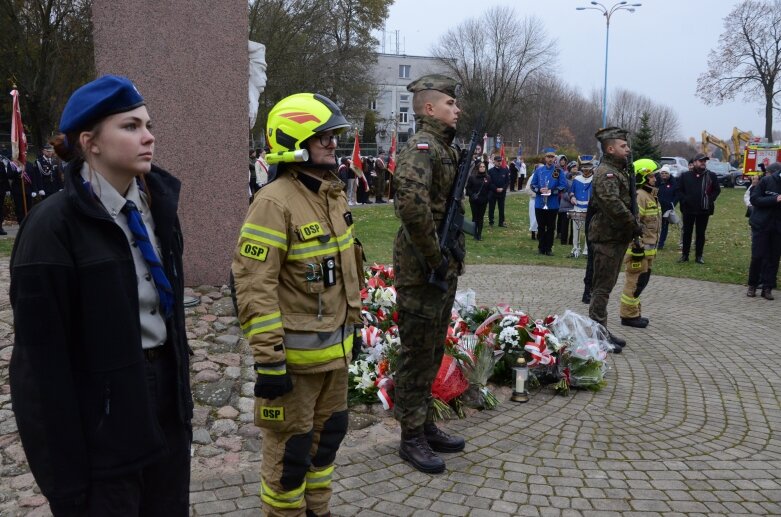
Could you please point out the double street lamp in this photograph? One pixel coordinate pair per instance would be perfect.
(607, 12)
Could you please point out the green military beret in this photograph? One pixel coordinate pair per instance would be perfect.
(439, 82)
(611, 133)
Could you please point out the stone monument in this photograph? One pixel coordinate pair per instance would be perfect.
(189, 59)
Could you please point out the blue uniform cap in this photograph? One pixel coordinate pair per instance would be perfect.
(106, 95)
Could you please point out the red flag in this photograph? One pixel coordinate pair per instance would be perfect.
(392, 155)
(357, 164)
(18, 138)
(504, 158)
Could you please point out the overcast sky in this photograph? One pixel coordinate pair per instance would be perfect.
(658, 51)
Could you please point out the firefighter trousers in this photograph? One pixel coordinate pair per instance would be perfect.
(302, 431)
(638, 273)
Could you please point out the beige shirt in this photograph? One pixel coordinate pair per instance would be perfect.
(153, 331)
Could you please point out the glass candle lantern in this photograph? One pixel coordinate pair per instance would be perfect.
(521, 372)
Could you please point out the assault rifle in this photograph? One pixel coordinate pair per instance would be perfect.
(454, 221)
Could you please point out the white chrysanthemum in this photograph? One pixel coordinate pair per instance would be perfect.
(509, 336)
(552, 342)
(509, 321)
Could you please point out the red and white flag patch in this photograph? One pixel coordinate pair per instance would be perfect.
(423, 146)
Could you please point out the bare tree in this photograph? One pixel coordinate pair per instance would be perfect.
(46, 50)
(628, 107)
(493, 64)
(747, 59)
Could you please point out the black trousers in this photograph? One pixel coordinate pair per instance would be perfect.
(765, 254)
(697, 223)
(162, 488)
(546, 228)
(478, 216)
(493, 200)
(562, 227)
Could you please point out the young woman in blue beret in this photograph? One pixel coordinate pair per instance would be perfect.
(101, 392)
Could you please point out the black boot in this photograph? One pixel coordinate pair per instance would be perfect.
(586, 296)
(617, 342)
(684, 258)
(534, 236)
(416, 450)
(767, 293)
(638, 322)
(310, 513)
(440, 441)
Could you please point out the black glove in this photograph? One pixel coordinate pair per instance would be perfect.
(441, 270)
(638, 231)
(273, 386)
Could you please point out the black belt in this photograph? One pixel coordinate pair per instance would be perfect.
(153, 354)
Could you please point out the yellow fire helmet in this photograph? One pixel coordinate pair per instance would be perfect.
(296, 118)
(644, 167)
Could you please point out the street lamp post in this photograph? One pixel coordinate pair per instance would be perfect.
(607, 12)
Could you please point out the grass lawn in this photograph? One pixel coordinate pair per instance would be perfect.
(727, 247)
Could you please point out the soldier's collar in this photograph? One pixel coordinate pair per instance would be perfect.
(436, 126)
(619, 163)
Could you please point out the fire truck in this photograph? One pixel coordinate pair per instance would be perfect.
(757, 156)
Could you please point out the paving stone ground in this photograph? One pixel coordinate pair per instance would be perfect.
(687, 426)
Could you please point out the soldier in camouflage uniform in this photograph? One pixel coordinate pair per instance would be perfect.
(612, 224)
(426, 169)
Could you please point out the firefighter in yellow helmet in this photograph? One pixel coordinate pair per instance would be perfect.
(297, 271)
(641, 253)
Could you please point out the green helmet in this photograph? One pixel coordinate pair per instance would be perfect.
(644, 167)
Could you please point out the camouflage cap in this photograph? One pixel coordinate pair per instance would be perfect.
(611, 133)
(439, 82)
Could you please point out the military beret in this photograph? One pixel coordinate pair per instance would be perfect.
(106, 95)
(611, 133)
(439, 82)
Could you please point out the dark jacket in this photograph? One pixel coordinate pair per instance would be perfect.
(668, 193)
(697, 192)
(500, 178)
(478, 187)
(766, 212)
(78, 382)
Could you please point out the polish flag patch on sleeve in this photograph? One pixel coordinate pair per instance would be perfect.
(609, 175)
(423, 146)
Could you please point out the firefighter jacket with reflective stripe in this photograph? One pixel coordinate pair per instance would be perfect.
(649, 213)
(296, 240)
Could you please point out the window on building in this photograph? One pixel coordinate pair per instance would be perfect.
(404, 97)
(404, 71)
(403, 137)
(403, 115)
(373, 105)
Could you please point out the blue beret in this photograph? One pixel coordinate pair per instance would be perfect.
(98, 99)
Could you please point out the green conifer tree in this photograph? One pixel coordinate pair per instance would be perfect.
(643, 142)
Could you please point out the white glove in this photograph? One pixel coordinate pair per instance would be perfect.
(41, 192)
(33, 195)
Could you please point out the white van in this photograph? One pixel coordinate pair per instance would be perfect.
(676, 163)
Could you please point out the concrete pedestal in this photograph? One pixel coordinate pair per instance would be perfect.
(189, 60)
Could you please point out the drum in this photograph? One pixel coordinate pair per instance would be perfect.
(577, 215)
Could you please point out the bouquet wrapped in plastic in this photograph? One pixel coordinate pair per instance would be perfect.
(582, 360)
(478, 362)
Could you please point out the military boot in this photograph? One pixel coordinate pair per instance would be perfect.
(416, 450)
(767, 293)
(310, 513)
(617, 342)
(440, 441)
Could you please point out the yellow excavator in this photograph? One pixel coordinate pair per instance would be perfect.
(739, 141)
(718, 143)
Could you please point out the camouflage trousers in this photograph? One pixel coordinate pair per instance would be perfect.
(638, 272)
(424, 314)
(607, 264)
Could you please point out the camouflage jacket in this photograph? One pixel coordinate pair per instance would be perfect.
(611, 203)
(424, 176)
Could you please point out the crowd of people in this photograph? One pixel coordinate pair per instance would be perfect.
(103, 261)
(30, 183)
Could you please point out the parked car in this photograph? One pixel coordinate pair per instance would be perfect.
(677, 164)
(739, 180)
(723, 172)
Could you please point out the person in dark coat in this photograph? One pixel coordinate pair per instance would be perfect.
(765, 224)
(101, 392)
(48, 173)
(478, 188)
(698, 190)
(20, 177)
(5, 187)
(500, 180)
(668, 198)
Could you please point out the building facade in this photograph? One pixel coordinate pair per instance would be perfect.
(393, 104)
